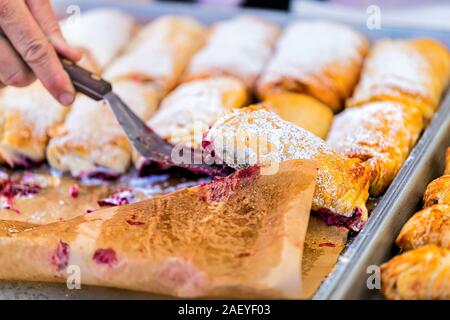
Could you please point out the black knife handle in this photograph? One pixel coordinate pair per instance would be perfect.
(85, 81)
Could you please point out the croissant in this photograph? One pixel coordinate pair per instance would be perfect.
(160, 52)
(239, 47)
(429, 226)
(255, 135)
(100, 33)
(241, 236)
(414, 72)
(381, 134)
(321, 59)
(422, 273)
(27, 117)
(438, 191)
(91, 143)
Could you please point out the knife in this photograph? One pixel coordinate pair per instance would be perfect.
(146, 141)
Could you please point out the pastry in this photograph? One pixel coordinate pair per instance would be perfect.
(27, 117)
(100, 33)
(414, 72)
(239, 47)
(381, 134)
(241, 236)
(188, 112)
(422, 273)
(429, 226)
(438, 191)
(321, 59)
(91, 141)
(302, 110)
(256, 135)
(160, 52)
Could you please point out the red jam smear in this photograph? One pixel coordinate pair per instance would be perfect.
(105, 256)
(333, 219)
(124, 196)
(221, 189)
(74, 190)
(60, 258)
(10, 189)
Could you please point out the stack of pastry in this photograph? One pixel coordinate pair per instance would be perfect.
(221, 76)
(423, 271)
(91, 142)
(29, 115)
(401, 84)
(312, 73)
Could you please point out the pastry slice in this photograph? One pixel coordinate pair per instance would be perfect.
(429, 226)
(101, 33)
(160, 52)
(302, 110)
(381, 134)
(28, 115)
(187, 113)
(91, 142)
(239, 47)
(241, 236)
(414, 72)
(256, 135)
(321, 59)
(422, 273)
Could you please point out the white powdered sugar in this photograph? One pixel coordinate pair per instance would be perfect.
(241, 47)
(306, 48)
(186, 114)
(393, 65)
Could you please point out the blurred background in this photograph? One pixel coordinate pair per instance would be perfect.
(431, 14)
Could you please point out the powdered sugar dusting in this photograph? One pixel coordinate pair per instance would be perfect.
(240, 47)
(255, 135)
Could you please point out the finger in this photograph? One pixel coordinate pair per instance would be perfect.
(27, 38)
(14, 72)
(44, 15)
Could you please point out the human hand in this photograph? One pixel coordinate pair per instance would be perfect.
(30, 38)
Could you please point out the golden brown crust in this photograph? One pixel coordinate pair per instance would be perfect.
(257, 135)
(382, 134)
(429, 226)
(413, 72)
(422, 273)
(438, 191)
(308, 60)
(241, 236)
(302, 110)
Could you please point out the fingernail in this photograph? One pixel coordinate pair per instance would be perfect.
(66, 98)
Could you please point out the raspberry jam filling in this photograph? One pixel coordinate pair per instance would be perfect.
(333, 219)
(10, 189)
(105, 256)
(23, 162)
(60, 257)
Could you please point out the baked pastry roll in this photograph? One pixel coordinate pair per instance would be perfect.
(100, 33)
(255, 135)
(414, 72)
(27, 116)
(438, 191)
(239, 47)
(189, 111)
(422, 273)
(302, 110)
(91, 141)
(429, 226)
(160, 52)
(246, 242)
(321, 59)
(381, 134)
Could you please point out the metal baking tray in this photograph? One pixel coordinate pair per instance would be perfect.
(374, 244)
